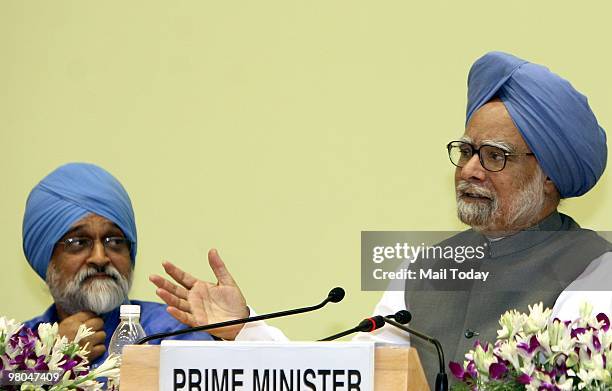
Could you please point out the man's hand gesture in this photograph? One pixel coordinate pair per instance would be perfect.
(196, 303)
(69, 327)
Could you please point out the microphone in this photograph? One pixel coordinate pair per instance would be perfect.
(400, 316)
(366, 326)
(403, 316)
(334, 296)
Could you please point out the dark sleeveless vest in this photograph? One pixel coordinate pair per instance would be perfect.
(531, 266)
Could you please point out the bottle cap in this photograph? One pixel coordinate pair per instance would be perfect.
(128, 309)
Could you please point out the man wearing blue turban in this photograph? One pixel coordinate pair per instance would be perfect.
(530, 140)
(79, 235)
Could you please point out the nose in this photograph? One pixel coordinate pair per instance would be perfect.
(98, 254)
(473, 170)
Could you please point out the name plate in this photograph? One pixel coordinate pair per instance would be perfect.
(266, 366)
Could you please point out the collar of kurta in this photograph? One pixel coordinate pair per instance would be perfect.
(531, 236)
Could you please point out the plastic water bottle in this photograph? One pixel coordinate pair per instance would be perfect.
(127, 332)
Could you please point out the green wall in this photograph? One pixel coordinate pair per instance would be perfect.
(273, 130)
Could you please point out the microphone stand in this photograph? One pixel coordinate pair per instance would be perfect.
(334, 296)
(441, 378)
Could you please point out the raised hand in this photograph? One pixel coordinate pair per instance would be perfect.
(195, 302)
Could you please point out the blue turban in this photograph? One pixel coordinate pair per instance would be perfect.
(65, 196)
(554, 119)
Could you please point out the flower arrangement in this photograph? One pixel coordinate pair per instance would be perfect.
(534, 352)
(25, 353)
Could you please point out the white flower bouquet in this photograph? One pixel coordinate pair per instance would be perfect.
(28, 358)
(535, 352)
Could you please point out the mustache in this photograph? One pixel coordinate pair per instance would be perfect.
(93, 270)
(464, 187)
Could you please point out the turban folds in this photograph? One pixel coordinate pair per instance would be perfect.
(65, 196)
(554, 119)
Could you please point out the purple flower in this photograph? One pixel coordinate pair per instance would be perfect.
(547, 387)
(463, 374)
(501, 360)
(524, 379)
(40, 364)
(471, 370)
(68, 365)
(14, 341)
(578, 331)
(596, 343)
(497, 371)
(19, 361)
(566, 323)
(533, 345)
(457, 370)
(601, 317)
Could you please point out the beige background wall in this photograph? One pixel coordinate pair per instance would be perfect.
(273, 130)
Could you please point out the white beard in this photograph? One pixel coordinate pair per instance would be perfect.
(524, 207)
(97, 295)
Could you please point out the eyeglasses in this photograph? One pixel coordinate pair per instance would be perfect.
(81, 245)
(491, 158)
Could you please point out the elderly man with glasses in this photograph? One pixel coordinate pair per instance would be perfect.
(530, 140)
(79, 235)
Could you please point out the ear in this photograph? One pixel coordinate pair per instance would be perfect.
(550, 189)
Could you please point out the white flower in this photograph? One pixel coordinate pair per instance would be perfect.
(90, 385)
(528, 368)
(586, 340)
(55, 359)
(84, 382)
(509, 352)
(565, 383)
(63, 383)
(538, 318)
(587, 378)
(47, 334)
(8, 327)
(544, 340)
(60, 344)
(586, 309)
(609, 360)
(109, 368)
(560, 338)
(83, 332)
(483, 360)
(512, 324)
(605, 337)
